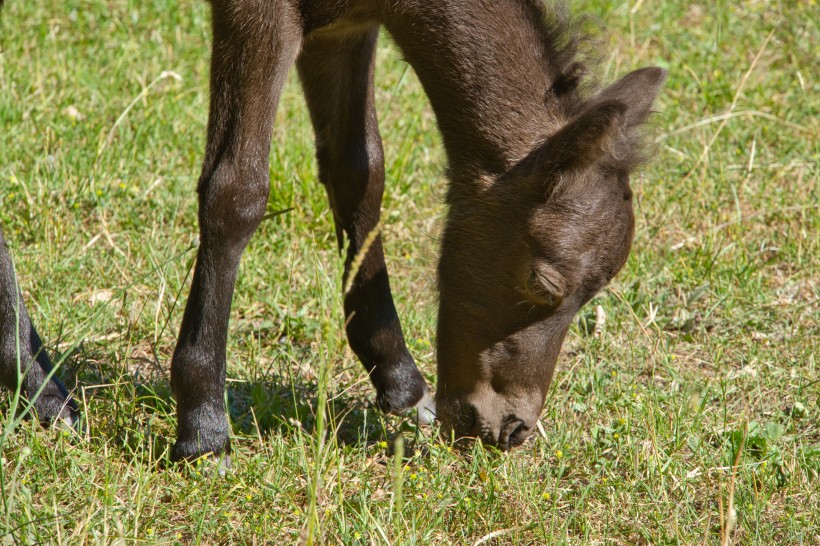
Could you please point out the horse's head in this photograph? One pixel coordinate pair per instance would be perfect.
(520, 259)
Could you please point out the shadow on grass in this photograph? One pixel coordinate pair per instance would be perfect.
(132, 407)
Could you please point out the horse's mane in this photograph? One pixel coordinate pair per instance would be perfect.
(565, 41)
(568, 43)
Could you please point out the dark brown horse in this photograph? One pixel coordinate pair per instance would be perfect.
(540, 213)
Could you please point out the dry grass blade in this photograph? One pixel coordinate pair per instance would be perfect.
(730, 520)
(732, 106)
(110, 138)
(356, 264)
(500, 533)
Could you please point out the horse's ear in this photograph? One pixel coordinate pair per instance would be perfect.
(582, 141)
(637, 90)
(592, 133)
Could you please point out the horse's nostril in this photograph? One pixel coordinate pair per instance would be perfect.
(518, 435)
(513, 434)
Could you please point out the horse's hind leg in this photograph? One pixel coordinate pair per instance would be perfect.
(337, 77)
(254, 44)
(22, 355)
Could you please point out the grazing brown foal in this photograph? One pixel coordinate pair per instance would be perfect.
(540, 213)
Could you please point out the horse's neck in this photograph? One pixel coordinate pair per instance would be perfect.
(484, 70)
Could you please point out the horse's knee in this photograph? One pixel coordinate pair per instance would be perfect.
(232, 201)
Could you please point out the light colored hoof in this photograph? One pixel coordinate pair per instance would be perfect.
(425, 411)
(70, 421)
(214, 465)
(222, 464)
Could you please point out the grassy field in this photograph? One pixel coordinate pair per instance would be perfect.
(693, 419)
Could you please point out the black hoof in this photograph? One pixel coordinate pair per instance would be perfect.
(54, 406)
(408, 396)
(200, 432)
(187, 450)
(53, 409)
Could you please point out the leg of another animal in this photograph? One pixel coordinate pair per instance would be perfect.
(27, 352)
(337, 76)
(254, 44)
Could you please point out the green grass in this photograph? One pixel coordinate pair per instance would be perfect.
(702, 390)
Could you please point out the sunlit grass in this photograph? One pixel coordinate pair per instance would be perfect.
(701, 390)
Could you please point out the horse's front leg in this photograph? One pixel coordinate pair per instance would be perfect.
(337, 77)
(254, 44)
(24, 362)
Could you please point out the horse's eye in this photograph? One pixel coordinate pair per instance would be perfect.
(545, 285)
